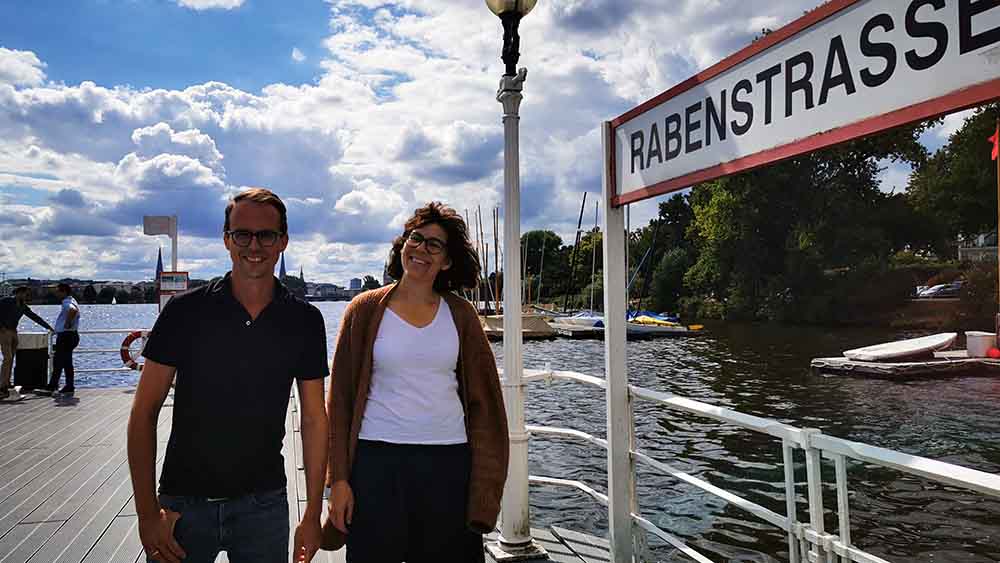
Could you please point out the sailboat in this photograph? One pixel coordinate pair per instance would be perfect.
(638, 323)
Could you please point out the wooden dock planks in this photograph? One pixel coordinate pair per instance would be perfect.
(66, 492)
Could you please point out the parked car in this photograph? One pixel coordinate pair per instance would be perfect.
(942, 290)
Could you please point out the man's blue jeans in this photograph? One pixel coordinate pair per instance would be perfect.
(250, 529)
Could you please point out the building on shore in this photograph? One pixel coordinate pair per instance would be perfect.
(980, 248)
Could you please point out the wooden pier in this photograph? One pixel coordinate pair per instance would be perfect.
(951, 363)
(66, 495)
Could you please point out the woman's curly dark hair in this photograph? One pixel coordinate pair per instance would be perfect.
(464, 270)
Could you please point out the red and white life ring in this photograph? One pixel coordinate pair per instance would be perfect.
(126, 352)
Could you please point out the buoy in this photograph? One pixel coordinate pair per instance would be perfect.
(127, 353)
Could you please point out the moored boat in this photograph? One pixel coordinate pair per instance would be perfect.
(909, 348)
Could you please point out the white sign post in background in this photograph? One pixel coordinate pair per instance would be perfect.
(848, 69)
(163, 225)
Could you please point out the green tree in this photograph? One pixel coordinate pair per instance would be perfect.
(955, 191)
(295, 285)
(106, 294)
(89, 294)
(552, 270)
(668, 279)
(764, 241)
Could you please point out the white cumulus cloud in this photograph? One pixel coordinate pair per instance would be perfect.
(21, 68)
(162, 139)
(297, 55)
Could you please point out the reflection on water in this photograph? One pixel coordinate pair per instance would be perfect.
(756, 369)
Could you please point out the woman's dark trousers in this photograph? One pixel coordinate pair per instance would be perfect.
(410, 505)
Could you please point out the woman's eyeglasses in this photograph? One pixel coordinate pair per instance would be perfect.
(433, 245)
(243, 238)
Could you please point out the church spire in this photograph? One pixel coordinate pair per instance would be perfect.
(281, 274)
(302, 275)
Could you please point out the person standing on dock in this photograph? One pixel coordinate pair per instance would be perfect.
(67, 339)
(235, 346)
(418, 431)
(12, 308)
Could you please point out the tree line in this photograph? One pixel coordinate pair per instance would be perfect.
(812, 239)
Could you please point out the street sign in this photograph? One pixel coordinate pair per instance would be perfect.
(848, 69)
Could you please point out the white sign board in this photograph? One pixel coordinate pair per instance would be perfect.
(159, 225)
(848, 69)
(173, 281)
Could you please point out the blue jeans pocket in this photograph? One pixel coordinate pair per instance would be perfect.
(269, 499)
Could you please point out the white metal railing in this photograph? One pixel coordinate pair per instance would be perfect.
(808, 541)
(144, 333)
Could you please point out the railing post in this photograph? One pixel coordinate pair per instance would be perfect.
(49, 364)
(620, 477)
(640, 547)
(814, 478)
(788, 457)
(843, 502)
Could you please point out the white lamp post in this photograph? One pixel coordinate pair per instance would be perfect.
(515, 543)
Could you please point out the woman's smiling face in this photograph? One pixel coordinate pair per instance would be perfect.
(425, 253)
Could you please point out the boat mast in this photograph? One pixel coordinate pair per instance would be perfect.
(593, 257)
(541, 265)
(572, 260)
(496, 260)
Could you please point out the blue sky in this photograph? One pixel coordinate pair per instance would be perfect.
(160, 44)
(354, 111)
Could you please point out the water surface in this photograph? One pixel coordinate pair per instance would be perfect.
(756, 369)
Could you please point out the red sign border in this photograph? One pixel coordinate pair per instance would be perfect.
(955, 101)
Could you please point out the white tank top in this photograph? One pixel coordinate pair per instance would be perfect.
(413, 397)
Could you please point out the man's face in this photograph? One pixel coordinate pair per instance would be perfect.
(60, 294)
(254, 261)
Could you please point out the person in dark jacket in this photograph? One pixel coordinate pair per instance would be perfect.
(11, 310)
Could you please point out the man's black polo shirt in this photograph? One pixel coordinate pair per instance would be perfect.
(234, 377)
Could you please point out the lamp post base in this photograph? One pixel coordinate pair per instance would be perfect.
(502, 552)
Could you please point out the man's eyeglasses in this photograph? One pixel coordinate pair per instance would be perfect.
(433, 245)
(243, 238)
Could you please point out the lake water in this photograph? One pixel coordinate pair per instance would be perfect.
(756, 369)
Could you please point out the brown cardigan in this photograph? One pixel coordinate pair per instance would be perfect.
(479, 391)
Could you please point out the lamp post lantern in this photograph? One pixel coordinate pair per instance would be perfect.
(515, 542)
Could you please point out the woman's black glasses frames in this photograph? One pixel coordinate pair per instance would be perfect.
(243, 238)
(433, 245)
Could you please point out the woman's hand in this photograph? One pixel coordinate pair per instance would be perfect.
(341, 505)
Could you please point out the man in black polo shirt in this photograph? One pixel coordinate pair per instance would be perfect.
(235, 347)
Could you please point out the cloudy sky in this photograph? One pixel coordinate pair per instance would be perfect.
(354, 111)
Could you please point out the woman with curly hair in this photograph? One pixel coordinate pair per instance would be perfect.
(418, 431)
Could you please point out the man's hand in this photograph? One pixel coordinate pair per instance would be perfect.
(341, 505)
(157, 536)
(308, 536)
